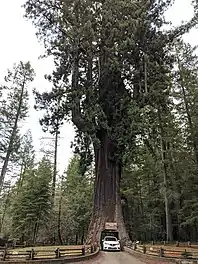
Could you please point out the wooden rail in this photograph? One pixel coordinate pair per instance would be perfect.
(43, 254)
(167, 252)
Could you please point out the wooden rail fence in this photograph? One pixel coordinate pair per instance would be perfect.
(41, 254)
(179, 253)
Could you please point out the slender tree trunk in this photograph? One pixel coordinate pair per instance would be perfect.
(169, 234)
(186, 103)
(169, 231)
(76, 240)
(12, 137)
(35, 232)
(21, 178)
(20, 183)
(107, 201)
(55, 166)
(176, 185)
(54, 186)
(59, 220)
(83, 235)
(190, 123)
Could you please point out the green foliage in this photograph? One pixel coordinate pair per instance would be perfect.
(77, 191)
(26, 152)
(16, 82)
(13, 109)
(5, 203)
(25, 162)
(105, 47)
(141, 185)
(143, 181)
(31, 207)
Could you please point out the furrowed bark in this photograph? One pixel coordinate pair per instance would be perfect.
(107, 200)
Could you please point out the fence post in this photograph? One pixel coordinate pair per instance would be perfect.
(32, 254)
(185, 254)
(92, 249)
(83, 250)
(95, 246)
(57, 252)
(4, 254)
(144, 249)
(161, 252)
(189, 244)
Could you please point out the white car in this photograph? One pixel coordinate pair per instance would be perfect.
(111, 243)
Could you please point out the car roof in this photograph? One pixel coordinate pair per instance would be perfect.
(110, 237)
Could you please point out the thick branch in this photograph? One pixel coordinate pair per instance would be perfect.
(77, 118)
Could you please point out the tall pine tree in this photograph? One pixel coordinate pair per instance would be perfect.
(13, 109)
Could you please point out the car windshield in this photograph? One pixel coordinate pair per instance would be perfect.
(110, 239)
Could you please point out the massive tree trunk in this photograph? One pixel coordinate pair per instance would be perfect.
(107, 201)
(111, 98)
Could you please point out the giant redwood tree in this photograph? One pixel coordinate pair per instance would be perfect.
(107, 55)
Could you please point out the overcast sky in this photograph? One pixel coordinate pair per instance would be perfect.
(18, 42)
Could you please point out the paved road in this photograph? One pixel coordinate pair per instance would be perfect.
(119, 258)
(114, 258)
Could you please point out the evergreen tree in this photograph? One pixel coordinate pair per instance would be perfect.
(26, 156)
(5, 202)
(186, 107)
(14, 108)
(186, 92)
(166, 149)
(76, 203)
(31, 207)
(118, 57)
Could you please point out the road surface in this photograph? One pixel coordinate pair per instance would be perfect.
(114, 258)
